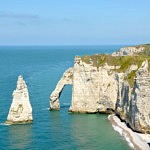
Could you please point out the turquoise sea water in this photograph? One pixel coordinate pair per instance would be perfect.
(42, 67)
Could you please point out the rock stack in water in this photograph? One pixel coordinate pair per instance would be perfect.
(20, 110)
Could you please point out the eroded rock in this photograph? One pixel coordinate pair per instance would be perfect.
(139, 113)
(65, 80)
(20, 110)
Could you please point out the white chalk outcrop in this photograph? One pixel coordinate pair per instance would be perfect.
(133, 104)
(94, 89)
(132, 50)
(139, 111)
(20, 110)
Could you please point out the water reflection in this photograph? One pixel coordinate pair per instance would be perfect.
(20, 136)
(83, 124)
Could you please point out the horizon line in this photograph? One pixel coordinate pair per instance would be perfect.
(69, 44)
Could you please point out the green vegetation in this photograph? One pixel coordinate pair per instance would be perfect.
(130, 78)
(123, 61)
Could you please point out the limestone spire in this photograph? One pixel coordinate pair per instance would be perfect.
(20, 110)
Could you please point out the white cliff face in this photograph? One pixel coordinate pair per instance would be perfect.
(122, 103)
(128, 51)
(133, 104)
(20, 110)
(54, 97)
(94, 89)
(139, 111)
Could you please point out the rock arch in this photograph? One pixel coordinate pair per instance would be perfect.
(66, 79)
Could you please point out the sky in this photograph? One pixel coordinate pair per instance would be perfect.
(74, 22)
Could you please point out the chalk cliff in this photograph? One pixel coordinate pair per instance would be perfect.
(94, 89)
(139, 108)
(111, 84)
(20, 110)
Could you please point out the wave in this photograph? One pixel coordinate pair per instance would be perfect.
(4, 124)
(45, 109)
(128, 140)
(118, 129)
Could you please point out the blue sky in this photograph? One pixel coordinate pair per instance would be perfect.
(74, 22)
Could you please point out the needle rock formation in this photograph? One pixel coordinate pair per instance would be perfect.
(20, 110)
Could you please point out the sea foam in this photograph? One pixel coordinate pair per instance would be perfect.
(120, 131)
(4, 124)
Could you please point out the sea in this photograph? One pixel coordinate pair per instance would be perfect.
(42, 67)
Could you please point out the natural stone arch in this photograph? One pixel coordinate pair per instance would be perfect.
(67, 79)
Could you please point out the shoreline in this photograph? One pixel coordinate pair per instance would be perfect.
(135, 140)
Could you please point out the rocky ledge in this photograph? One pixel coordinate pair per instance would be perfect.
(20, 110)
(117, 83)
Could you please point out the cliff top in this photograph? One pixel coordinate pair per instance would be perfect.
(133, 50)
(124, 61)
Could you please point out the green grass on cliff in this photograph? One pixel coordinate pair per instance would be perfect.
(130, 78)
(124, 62)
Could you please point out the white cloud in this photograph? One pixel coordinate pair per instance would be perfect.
(19, 16)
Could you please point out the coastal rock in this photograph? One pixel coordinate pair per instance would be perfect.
(133, 105)
(94, 89)
(111, 84)
(65, 80)
(20, 110)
